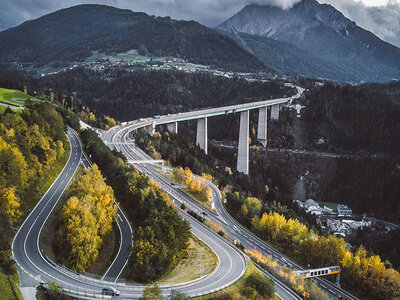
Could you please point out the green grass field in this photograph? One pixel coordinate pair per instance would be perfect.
(131, 56)
(201, 260)
(198, 198)
(328, 204)
(235, 289)
(14, 97)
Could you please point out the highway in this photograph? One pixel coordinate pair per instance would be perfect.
(219, 111)
(206, 113)
(232, 263)
(12, 106)
(30, 260)
(132, 153)
(116, 137)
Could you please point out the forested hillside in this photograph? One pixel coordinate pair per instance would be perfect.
(33, 149)
(253, 201)
(353, 118)
(160, 235)
(391, 88)
(30, 143)
(291, 60)
(127, 96)
(74, 33)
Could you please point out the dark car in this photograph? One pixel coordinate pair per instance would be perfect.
(111, 291)
(204, 213)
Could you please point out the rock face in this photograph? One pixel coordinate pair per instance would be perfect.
(73, 34)
(316, 33)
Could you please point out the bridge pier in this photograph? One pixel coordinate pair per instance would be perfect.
(173, 127)
(338, 279)
(201, 136)
(275, 112)
(151, 129)
(243, 148)
(262, 125)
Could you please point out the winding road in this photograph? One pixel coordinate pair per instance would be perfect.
(117, 137)
(125, 229)
(232, 263)
(30, 260)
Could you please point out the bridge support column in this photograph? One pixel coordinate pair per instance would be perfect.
(243, 149)
(275, 112)
(201, 137)
(151, 129)
(262, 125)
(338, 279)
(173, 127)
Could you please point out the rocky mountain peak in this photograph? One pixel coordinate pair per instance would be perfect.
(272, 21)
(320, 33)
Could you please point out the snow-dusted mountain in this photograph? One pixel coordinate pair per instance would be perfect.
(323, 34)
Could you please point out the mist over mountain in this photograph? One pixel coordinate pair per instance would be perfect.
(73, 34)
(323, 41)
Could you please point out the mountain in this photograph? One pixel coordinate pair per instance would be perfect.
(320, 37)
(290, 60)
(73, 34)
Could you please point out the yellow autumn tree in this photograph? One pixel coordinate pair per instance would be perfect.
(206, 190)
(188, 176)
(82, 228)
(207, 176)
(365, 272)
(110, 122)
(12, 166)
(9, 203)
(195, 184)
(179, 174)
(86, 218)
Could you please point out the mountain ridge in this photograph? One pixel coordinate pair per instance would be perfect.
(323, 32)
(72, 34)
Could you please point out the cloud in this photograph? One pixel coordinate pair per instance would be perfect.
(208, 12)
(383, 20)
(285, 4)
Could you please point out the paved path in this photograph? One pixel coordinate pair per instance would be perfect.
(30, 260)
(135, 154)
(233, 228)
(12, 106)
(28, 293)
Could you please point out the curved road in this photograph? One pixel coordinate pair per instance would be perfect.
(27, 254)
(117, 137)
(121, 259)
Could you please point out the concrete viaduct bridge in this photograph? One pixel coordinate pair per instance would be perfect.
(202, 131)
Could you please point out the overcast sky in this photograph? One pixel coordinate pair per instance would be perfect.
(382, 17)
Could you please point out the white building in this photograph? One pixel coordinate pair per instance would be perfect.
(344, 210)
